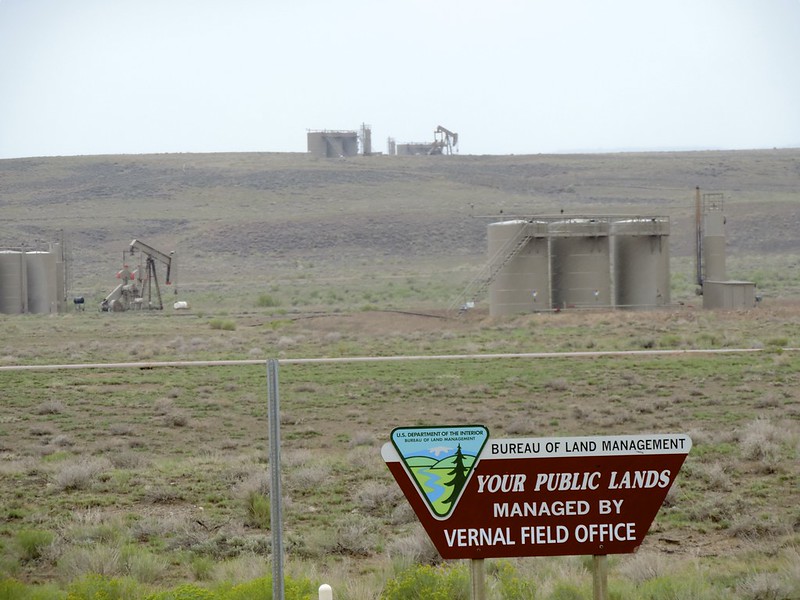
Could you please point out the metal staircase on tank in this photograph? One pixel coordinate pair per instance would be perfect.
(478, 286)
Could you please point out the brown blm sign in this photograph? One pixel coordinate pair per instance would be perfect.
(538, 497)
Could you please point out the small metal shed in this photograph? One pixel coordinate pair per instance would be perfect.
(729, 294)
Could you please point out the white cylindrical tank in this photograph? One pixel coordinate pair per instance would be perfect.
(641, 262)
(580, 263)
(519, 249)
(13, 299)
(42, 282)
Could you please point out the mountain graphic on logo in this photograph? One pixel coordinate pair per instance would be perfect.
(440, 461)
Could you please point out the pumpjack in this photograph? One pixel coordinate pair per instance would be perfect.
(444, 141)
(139, 288)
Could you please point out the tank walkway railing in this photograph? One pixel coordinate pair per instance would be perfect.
(481, 282)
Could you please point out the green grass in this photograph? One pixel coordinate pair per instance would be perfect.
(333, 419)
(32, 543)
(258, 508)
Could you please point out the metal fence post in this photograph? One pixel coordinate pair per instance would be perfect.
(276, 511)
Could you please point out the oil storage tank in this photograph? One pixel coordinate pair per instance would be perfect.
(714, 245)
(13, 294)
(518, 249)
(332, 144)
(640, 251)
(580, 263)
(42, 278)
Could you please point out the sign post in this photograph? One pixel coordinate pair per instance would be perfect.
(600, 577)
(479, 497)
(477, 577)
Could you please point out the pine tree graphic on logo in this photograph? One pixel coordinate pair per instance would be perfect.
(458, 478)
(440, 460)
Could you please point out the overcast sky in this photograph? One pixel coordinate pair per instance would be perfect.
(510, 76)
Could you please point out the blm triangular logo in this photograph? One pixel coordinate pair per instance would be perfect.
(440, 461)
